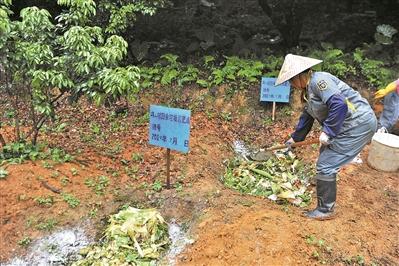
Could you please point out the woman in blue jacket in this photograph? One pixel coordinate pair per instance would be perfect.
(348, 124)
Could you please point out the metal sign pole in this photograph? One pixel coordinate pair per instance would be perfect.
(168, 168)
(274, 110)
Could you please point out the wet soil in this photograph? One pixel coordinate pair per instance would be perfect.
(227, 228)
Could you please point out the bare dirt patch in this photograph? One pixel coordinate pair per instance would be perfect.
(228, 228)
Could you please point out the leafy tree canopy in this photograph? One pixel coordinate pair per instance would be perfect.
(41, 61)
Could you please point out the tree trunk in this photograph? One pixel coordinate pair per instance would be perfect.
(2, 141)
(16, 119)
(287, 17)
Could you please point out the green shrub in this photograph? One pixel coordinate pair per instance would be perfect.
(373, 70)
(333, 61)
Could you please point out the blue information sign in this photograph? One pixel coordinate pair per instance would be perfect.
(271, 93)
(170, 127)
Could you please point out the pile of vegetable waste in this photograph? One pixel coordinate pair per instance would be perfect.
(133, 237)
(281, 178)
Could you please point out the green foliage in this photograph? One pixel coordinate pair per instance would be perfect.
(47, 201)
(133, 237)
(169, 72)
(47, 225)
(226, 116)
(5, 23)
(25, 241)
(3, 173)
(234, 71)
(74, 171)
(247, 71)
(73, 56)
(59, 155)
(18, 152)
(272, 65)
(333, 61)
(137, 157)
(284, 178)
(122, 13)
(98, 185)
(72, 201)
(157, 186)
(374, 70)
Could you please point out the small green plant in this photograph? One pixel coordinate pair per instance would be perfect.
(47, 165)
(3, 173)
(142, 120)
(354, 260)
(55, 174)
(310, 239)
(95, 128)
(272, 65)
(157, 186)
(98, 185)
(137, 157)
(209, 114)
(47, 225)
(74, 171)
(47, 201)
(226, 116)
(116, 126)
(64, 181)
(314, 146)
(72, 201)
(22, 197)
(17, 152)
(359, 259)
(178, 186)
(267, 121)
(287, 110)
(334, 61)
(59, 155)
(131, 171)
(172, 71)
(61, 127)
(25, 241)
(114, 151)
(143, 185)
(30, 221)
(93, 212)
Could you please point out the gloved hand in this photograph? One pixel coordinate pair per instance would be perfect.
(289, 142)
(382, 130)
(324, 139)
(388, 89)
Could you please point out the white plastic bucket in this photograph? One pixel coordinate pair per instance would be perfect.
(384, 152)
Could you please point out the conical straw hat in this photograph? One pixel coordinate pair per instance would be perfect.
(293, 65)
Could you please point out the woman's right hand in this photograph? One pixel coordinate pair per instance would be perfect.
(289, 142)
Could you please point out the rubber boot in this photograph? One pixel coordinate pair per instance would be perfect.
(326, 196)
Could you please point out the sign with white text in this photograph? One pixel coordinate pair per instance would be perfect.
(170, 127)
(271, 93)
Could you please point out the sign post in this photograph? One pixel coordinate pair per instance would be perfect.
(168, 168)
(169, 128)
(271, 93)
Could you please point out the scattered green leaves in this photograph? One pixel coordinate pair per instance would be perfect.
(3, 173)
(157, 186)
(25, 241)
(281, 178)
(99, 184)
(72, 201)
(46, 201)
(134, 236)
(47, 225)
